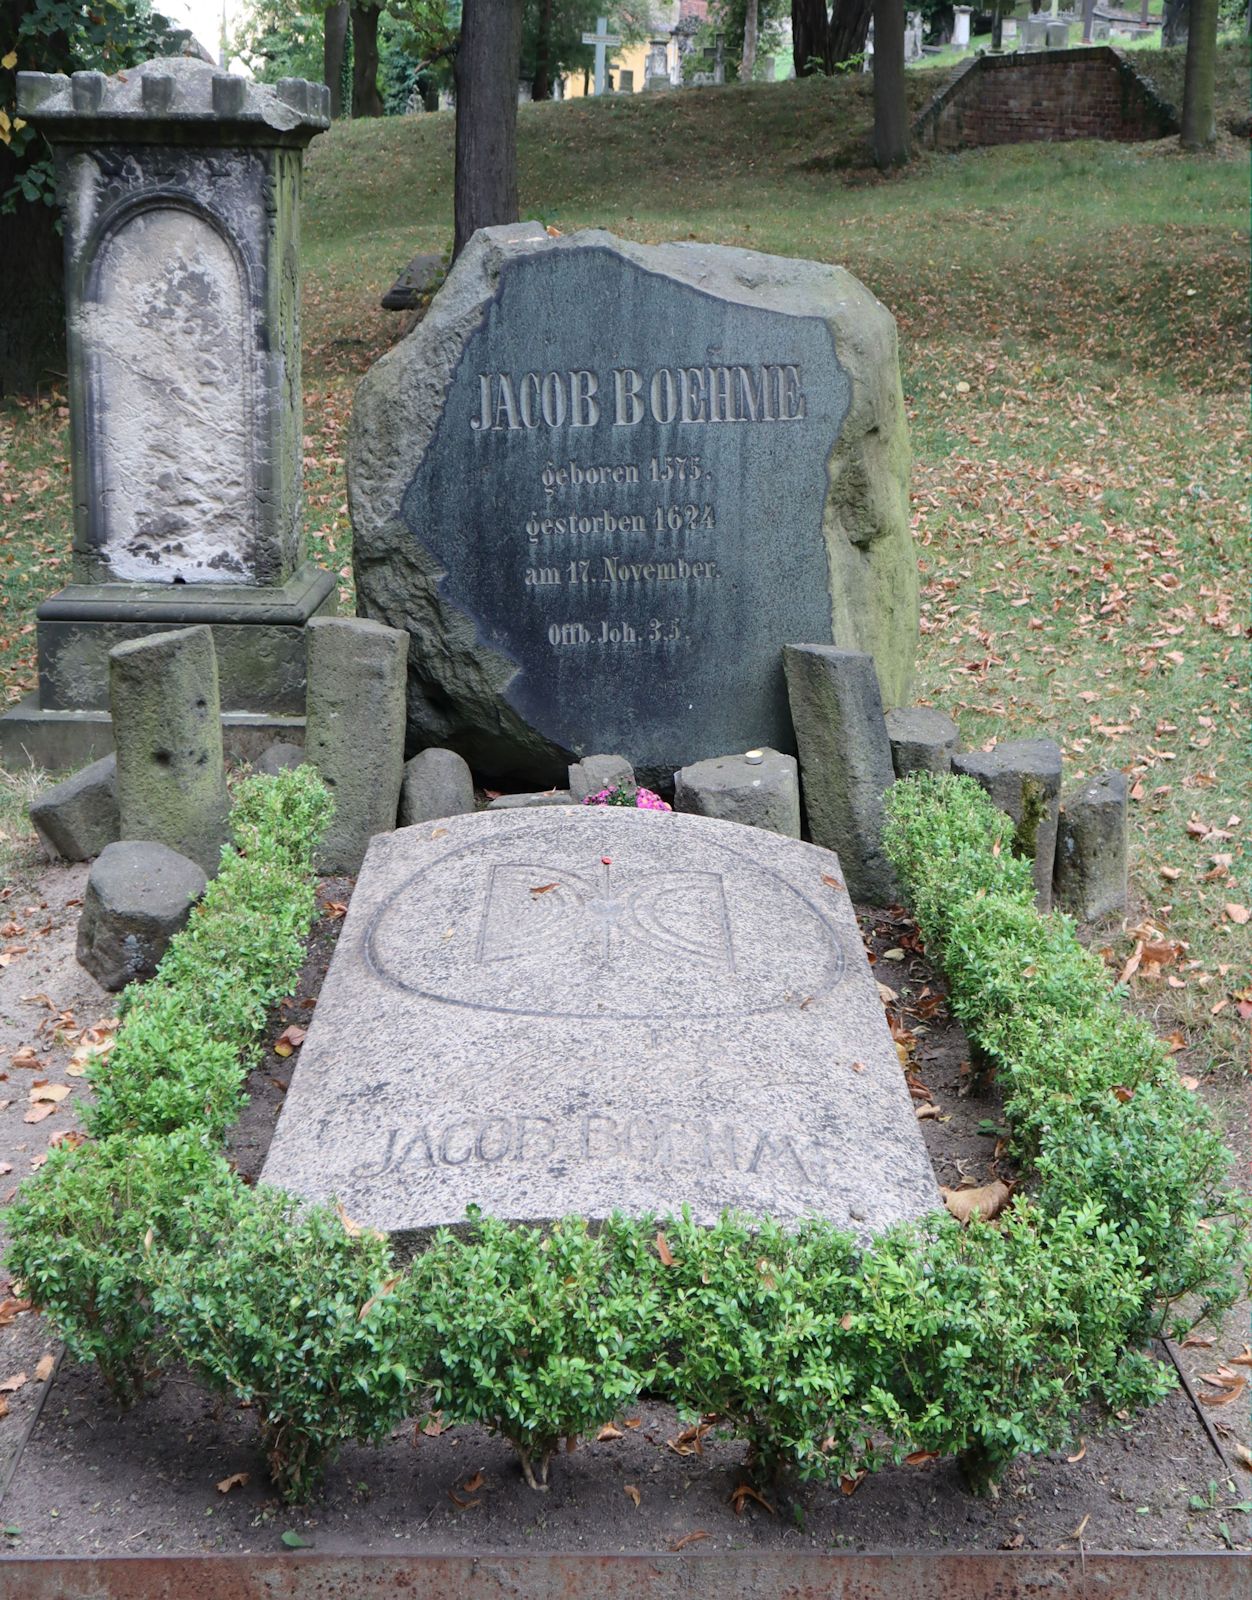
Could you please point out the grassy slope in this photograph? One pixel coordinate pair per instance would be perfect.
(1073, 325)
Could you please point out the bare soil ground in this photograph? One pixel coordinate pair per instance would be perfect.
(86, 1480)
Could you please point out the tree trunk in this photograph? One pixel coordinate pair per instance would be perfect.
(487, 65)
(1174, 23)
(541, 86)
(1199, 126)
(32, 305)
(334, 46)
(849, 28)
(747, 62)
(366, 100)
(810, 37)
(891, 119)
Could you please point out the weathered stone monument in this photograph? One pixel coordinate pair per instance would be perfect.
(582, 1009)
(181, 189)
(602, 484)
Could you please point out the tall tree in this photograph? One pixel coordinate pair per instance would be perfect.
(366, 100)
(747, 62)
(1199, 124)
(824, 42)
(487, 66)
(334, 49)
(891, 114)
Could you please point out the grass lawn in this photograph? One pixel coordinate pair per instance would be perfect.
(1074, 338)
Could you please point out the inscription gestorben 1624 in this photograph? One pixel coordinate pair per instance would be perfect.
(622, 485)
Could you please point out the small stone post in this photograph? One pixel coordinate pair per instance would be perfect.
(845, 761)
(171, 778)
(355, 735)
(1023, 778)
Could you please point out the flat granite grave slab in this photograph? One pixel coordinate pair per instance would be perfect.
(581, 1010)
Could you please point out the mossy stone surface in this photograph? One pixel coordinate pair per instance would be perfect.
(167, 728)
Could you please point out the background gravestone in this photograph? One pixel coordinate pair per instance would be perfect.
(181, 194)
(602, 484)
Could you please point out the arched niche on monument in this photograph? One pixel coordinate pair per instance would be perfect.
(166, 334)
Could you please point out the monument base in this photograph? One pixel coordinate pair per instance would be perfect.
(258, 634)
(63, 741)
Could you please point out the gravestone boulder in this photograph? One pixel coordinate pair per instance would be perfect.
(601, 484)
(586, 1009)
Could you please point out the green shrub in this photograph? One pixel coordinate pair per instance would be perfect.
(296, 1313)
(1089, 1091)
(537, 1336)
(83, 1227)
(180, 1059)
(756, 1327)
(989, 1338)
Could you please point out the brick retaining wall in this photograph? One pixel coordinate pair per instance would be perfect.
(1088, 93)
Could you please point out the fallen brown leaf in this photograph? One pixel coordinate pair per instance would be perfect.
(988, 1200)
(1081, 1528)
(11, 1308)
(54, 1092)
(13, 1384)
(39, 1112)
(851, 1482)
(235, 1481)
(474, 1484)
(1236, 913)
(1198, 1341)
(629, 1488)
(663, 1250)
(463, 1505)
(433, 1426)
(1243, 1359)
(1081, 1452)
(746, 1492)
(373, 1300)
(45, 1367)
(923, 1112)
(831, 883)
(288, 1040)
(919, 1458)
(688, 1538)
(1242, 1455)
(607, 1432)
(544, 888)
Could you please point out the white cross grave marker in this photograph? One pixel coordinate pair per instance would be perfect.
(603, 41)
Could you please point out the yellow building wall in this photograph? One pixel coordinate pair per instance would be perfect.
(633, 57)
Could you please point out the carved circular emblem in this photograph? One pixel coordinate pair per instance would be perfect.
(568, 920)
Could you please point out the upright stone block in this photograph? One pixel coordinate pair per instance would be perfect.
(436, 783)
(760, 789)
(78, 818)
(845, 761)
(171, 775)
(1092, 848)
(1023, 778)
(922, 740)
(593, 774)
(181, 193)
(354, 737)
